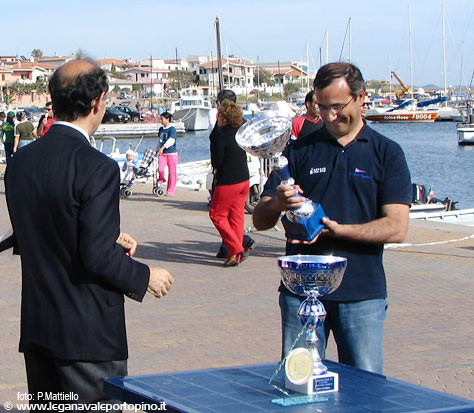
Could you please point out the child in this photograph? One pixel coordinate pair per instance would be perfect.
(130, 167)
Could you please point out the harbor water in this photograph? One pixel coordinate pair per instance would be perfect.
(433, 155)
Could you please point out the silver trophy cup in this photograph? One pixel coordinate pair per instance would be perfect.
(312, 276)
(266, 136)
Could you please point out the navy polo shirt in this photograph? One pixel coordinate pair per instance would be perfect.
(351, 183)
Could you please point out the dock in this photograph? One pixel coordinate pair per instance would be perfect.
(216, 316)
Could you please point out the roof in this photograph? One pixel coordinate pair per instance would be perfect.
(115, 62)
(234, 62)
(111, 61)
(25, 65)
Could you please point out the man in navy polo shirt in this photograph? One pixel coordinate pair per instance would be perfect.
(362, 181)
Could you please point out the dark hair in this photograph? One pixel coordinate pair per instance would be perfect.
(327, 73)
(11, 120)
(167, 115)
(72, 97)
(3, 115)
(20, 115)
(48, 104)
(309, 97)
(226, 94)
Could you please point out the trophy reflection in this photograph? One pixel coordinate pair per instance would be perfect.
(266, 136)
(311, 276)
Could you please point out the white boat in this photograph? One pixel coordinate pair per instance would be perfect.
(460, 217)
(192, 109)
(465, 130)
(135, 129)
(281, 107)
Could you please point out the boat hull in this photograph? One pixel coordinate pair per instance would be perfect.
(405, 116)
(193, 118)
(465, 134)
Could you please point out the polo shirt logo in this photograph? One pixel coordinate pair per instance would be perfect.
(360, 173)
(313, 171)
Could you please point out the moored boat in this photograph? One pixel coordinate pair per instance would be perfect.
(465, 130)
(400, 116)
(192, 109)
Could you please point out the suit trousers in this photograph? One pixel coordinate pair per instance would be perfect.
(83, 380)
(228, 215)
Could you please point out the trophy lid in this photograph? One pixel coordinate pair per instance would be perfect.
(266, 135)
(302, 274)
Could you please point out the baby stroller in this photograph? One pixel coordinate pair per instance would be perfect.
(143, 171)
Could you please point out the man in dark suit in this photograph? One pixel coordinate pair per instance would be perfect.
(63, 200)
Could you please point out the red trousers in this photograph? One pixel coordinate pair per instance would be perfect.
(228, 214)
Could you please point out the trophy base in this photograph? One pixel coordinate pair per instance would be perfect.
(305, 229)
(324, 383)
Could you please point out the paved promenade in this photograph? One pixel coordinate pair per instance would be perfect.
(216, 316)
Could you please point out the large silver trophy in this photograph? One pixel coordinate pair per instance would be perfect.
(266, 136)
(312, 276)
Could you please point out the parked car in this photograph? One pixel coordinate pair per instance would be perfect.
(125, 95)
(33, 114)
(113, 115)
(134, 114)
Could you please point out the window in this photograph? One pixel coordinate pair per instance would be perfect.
(3, 77)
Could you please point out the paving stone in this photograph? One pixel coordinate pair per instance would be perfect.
(216, 316)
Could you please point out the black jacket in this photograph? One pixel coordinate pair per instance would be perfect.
(63, 200)
(227, 157)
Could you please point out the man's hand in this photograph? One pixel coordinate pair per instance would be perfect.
(286, 197)
(160, 282)
(331, 230)
(128, 243)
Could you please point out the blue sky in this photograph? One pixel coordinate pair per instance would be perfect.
(270, 30)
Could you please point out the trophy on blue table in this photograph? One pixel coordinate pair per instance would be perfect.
(266, 136)
(311, 276)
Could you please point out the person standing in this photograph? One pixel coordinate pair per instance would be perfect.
(248, 243)
(7, 134)
(24, 132)
(63, 201)
(309, 122)
(167, 153)
(46, 121)
(362, 181)
(229, 161)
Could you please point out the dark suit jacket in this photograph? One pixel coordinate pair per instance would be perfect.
(63, 200)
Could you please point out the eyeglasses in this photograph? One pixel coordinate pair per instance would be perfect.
(334, 109)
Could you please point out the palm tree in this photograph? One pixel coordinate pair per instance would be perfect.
(37, 54)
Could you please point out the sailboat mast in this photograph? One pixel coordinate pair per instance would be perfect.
(327, 45)
(307, 68)
(411, 51)
(444, 55)
(219, 55)
(350, 40)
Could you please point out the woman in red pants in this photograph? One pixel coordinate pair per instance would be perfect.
(232, 182)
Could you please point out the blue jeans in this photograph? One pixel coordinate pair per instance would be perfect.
(357, 327)
(21, 144)
(8, 151)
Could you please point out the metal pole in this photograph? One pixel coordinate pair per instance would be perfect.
(350, 40)
(444, 56)
(219, 55)
(151, 81)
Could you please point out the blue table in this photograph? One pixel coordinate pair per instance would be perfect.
(246, 389)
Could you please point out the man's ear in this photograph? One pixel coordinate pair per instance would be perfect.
(97, 101)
